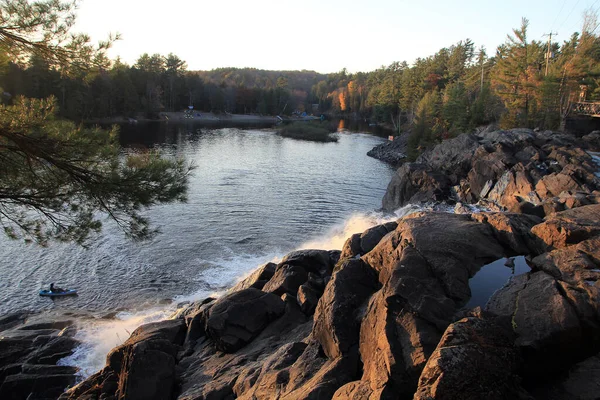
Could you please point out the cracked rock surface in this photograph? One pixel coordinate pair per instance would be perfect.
(385, 318)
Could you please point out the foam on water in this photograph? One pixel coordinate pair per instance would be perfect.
(99, 336)
(336, 236)
(224, 273)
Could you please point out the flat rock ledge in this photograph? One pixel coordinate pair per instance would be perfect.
(385, 318)
(30, 346)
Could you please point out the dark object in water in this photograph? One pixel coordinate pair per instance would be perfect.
(48, 293)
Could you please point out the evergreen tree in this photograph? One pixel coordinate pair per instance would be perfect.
(58, 179)
(516, 76)
(427, 126)
(455, 111)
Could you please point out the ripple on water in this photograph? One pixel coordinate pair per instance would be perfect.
(252, 194)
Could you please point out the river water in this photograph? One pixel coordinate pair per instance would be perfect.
(253, 197)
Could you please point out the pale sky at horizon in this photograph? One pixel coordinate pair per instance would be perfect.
(323, 36)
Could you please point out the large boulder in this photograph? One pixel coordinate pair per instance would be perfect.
(320, 262)
(452, 155)
(195, 317)
(146, 361)
(513, 231)
(336, 320)
(425, 274)
(484, 345)
(141, 368)
(287, 279)
(239, 317)
(414, 183)
(362, 243)
(451, 258)
(487, 168)
(549, 331)
(514, 186)
(256, 279)
(569, 227)
(308, 298)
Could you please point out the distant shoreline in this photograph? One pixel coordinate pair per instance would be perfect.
(199, 116)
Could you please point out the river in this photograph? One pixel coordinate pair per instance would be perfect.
(253, 197)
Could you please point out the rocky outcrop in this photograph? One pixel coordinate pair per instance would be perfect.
(141, 368)
(30, 346)
(386, 321)
(392, 152)
(385, 318)
(486, 344)
(236, 319)
(508, 168)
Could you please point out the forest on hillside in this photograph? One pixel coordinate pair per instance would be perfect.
(524, 83)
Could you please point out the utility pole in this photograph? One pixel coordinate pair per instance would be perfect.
(548, 51)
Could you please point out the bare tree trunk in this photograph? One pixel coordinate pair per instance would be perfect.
(394, 122)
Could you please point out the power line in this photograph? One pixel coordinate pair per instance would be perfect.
(594, 12)
(571, 12)
(559, 11)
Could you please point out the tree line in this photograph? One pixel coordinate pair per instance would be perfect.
(526, 83)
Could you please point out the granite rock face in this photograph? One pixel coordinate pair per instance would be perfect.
(385, 318)
(30, 346)
(507, 168)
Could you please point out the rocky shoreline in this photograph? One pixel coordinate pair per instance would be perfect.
(392, 152)
(385, 318)
(30, 346)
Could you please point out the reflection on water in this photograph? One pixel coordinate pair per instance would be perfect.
(494, 276)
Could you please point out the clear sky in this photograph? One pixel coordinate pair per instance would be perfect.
(324, 36)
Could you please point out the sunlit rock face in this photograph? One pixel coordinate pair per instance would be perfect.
(390, 316)
(518, 170)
